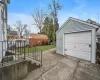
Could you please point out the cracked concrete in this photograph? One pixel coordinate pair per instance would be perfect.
(57, 67)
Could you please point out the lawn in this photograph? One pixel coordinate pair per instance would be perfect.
(35, 49)
(43, 48)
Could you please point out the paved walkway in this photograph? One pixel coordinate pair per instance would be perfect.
(57, 67)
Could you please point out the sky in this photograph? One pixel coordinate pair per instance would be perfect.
(23, 9)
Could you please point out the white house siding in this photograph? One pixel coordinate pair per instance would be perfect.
(0, 32)
(3, 31)
(1, 23)
(71, 26)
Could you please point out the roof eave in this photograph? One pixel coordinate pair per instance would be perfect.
(63, 25)
(70, 18)
(84, 22)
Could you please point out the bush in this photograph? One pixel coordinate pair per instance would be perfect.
(43, 43)
(38, 43)
(46, 43)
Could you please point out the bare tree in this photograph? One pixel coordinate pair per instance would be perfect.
(26, 33)
(20, 28)
(54, 8)
(9, 28)
(38, 17)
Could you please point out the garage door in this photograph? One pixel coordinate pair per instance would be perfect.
(78, 45)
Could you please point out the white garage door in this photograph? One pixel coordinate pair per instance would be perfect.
(78, 45)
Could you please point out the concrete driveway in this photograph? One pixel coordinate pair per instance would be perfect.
(57, 67)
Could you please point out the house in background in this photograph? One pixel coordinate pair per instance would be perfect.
(3, 26)
(38, 39)
(98, 36)
(98, 31)
(77, 38)
(12, 35)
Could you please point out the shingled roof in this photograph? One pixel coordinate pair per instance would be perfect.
(38, 36)
(93, 22)
(85, 24)
(12, 33)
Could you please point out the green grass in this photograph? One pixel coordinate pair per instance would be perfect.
(37, 49)
(43, 48)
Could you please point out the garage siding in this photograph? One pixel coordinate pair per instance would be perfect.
(70, 26)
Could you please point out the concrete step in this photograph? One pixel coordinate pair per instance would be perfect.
(30, 58)
(32, 66)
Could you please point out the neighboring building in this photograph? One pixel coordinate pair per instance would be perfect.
(3, 26)
(12, 35)
(98, 31)
(26, 36)
(93, 22)
(98, 35)
(38, 39)
(77, 38)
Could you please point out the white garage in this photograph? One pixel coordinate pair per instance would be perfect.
(77, 38)
(78, 45)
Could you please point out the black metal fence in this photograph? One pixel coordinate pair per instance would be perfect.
(35, 54)
(18, 50)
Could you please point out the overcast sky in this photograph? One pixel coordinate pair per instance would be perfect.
(23, 9)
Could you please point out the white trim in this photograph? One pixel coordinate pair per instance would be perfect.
(70, 18)
(91, 46)
(63, 43)
(93, 55)
(81, 21)
(63, 25)
(77, 31)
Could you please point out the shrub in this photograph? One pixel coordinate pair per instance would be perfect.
(43, 43)
(38, 43)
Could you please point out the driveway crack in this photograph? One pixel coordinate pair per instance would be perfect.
(44, 71)
(74, 70)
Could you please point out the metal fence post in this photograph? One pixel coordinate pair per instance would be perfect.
(41, 57)
(24, 50)
(2, 52)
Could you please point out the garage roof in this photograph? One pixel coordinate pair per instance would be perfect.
(80, 21)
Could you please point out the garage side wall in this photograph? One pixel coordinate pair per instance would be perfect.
(70, 26)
